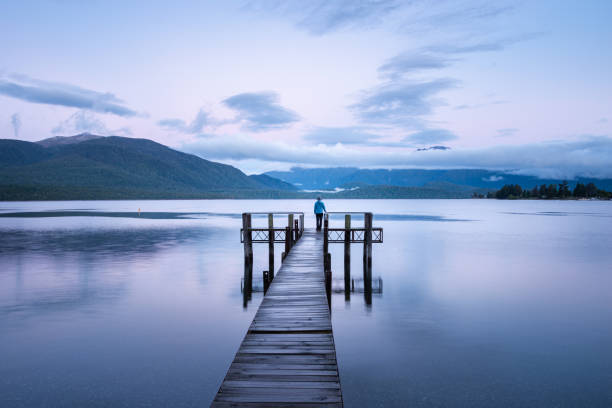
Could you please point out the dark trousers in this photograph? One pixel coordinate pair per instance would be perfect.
(319, 221)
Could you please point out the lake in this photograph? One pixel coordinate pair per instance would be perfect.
(484, 303)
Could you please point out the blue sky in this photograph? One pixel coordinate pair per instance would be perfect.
(515, 85)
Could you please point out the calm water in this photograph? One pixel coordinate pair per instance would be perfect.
(485, 303)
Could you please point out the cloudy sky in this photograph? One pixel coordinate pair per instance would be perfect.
(517, 85)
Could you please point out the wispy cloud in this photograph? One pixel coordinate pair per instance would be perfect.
(429, 136)
(410, 62)
(588, 156)
(319, 17)
(61, 94)
(498, 44)
(260, 111)
(334, 135)
(401, 99)
(16, 123)
(443, 55)
(179, 125)
(401, 103)
(454, 16)
(85, 121)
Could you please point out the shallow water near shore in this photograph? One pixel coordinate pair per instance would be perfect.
(484, 302)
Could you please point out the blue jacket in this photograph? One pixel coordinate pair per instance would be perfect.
(319, 207)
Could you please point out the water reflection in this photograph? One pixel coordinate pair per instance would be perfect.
(45, 301)
(357, 286)
(559, 213)
(84, 267)
(505, 310)
(94, 242)
(248, 286)
(113, 311)
(151, 215)
(417, 217)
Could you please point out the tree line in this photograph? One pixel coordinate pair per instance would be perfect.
(551, 191)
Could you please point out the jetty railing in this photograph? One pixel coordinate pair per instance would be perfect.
(348, 235)
(288, 234)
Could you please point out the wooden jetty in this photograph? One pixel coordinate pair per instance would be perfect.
(288, 356)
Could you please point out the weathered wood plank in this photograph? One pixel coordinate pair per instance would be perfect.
(283, 359)
(287, 384)
(288, 356)
(225, 404)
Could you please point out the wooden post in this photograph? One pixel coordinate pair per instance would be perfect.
(266, 281)
(325, 241)
(301, 225)
(290, 225)
(296, 230)
(287, 241)
(347, 256)
(271, 245)
(325, 237)
(367, 257)
(248, 242)
(248, 258)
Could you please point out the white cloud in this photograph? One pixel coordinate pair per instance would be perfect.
(588, 156)
(62, 94)
(86, 122)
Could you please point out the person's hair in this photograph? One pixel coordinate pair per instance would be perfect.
(318, 198)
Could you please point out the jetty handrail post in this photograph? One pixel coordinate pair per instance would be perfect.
(327, 260)
(287, 244)
(247, 238)
(347, 256)
(248, 257)
(325, 240)
(290, 224)
(271, 246)
(301, 224)
(367, 257)
(296, 231)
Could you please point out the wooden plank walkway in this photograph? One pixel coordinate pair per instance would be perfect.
(288, 356)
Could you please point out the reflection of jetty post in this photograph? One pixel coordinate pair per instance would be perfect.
(266, 281)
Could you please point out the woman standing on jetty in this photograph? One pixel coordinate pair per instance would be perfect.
(319, 209)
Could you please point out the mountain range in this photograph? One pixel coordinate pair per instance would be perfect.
(350, 177)
(95, 167)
